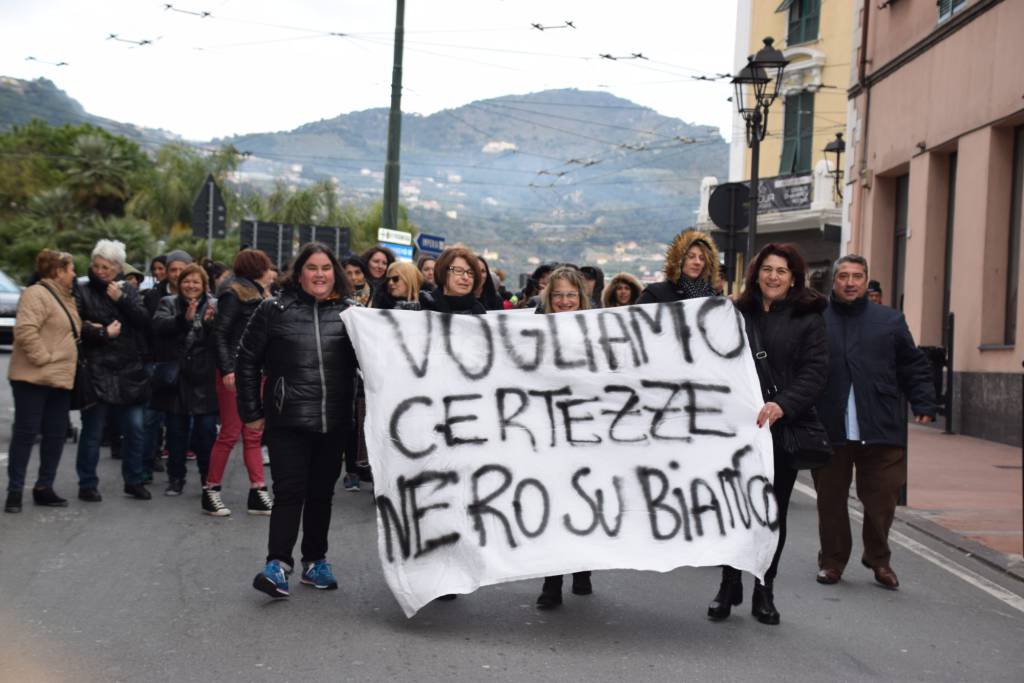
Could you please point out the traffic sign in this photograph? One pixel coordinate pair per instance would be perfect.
(727, 206)
(209, 212)
(394, 236)
(431, 245)
(402, 252)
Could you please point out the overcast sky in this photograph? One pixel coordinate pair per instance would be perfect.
(259, 65)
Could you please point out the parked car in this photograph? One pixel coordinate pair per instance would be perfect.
(10, 293)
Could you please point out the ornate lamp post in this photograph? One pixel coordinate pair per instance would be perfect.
(836, 148)
(757, 86)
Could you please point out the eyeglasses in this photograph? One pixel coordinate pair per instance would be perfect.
(461, 272)
(569, 296)
(393, 278)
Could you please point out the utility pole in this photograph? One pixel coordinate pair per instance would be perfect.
(392, 169)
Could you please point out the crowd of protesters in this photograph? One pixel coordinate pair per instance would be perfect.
(210, 356)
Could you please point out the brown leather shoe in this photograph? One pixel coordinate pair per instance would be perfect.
(886, 577)
(828, 576)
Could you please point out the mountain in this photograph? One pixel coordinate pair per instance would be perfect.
(21, 101)
(565, 175)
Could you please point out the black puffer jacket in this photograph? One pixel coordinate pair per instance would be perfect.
(793, 335)
(237, 300)
(116, 364)
(870, 347)
(443, 303)
(195, 353)
(304, 350)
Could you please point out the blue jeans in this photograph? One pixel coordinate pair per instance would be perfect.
(131, 424)
(179, 437)
(37, 410)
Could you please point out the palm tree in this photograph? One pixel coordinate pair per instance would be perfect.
(99, 175)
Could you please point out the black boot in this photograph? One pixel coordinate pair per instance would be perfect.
(13, 503)
(47, 497)
(762, 604)
(551, 593)
(581, 584)
(730, 593)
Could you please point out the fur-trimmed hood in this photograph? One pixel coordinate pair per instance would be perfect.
(608, 296)
(245, 290)
(677, 250)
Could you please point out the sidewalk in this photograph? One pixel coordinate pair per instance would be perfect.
(967, 493)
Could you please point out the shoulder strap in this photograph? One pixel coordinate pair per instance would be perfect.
(761, 358)
(74, 329)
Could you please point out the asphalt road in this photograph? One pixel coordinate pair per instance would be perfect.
(154, 591)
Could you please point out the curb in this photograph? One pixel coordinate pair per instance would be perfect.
(1012, 567)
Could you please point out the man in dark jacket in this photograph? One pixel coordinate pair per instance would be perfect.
(873, 363)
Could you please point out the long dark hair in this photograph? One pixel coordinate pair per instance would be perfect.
(342, 287)
(799, 294)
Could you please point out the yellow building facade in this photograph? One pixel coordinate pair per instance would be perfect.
(799, 199)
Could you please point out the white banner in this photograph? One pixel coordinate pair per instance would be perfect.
(509, 447)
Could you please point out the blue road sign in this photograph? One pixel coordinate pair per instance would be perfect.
(403, 252)
(430, 244)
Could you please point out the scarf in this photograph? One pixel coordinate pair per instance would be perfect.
(695, 289)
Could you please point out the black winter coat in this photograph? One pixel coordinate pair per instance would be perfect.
(195, 353)
(237, 300)
(116, 365)
(870, 347)
(304, 350)
(665, 291)
(793, 335)
(443, 303)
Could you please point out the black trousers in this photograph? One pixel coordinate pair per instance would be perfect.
(785, 479)
(305, 466)
(37, 410)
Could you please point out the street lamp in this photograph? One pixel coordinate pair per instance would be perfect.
(836, 147)
(757, 86)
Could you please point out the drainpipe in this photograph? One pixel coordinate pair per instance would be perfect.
(862, 81)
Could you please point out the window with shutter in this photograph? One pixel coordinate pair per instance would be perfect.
(803, 20)
(948, 8)
(798, 134)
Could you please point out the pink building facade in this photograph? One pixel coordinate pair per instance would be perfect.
(934, 178)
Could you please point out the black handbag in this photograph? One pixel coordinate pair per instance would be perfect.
(803, 438)
(83, 393)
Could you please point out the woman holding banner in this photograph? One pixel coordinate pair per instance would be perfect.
(566, 292)
(784, 320)
(299, 341)
(457, 274)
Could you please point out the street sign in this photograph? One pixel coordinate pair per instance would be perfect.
(394, 236)
(431, 245)
(209, 214)
(402, 252)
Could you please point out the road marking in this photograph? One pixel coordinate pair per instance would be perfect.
(3, 457)
(924, 552)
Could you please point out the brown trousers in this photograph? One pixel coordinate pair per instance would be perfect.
(881, 471)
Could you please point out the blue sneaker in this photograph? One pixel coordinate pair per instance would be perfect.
(273, 580)
(319, 575)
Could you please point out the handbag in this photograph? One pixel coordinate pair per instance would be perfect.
(83, 392)
(803, 438)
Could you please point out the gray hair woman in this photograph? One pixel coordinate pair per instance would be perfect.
(114, 329)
